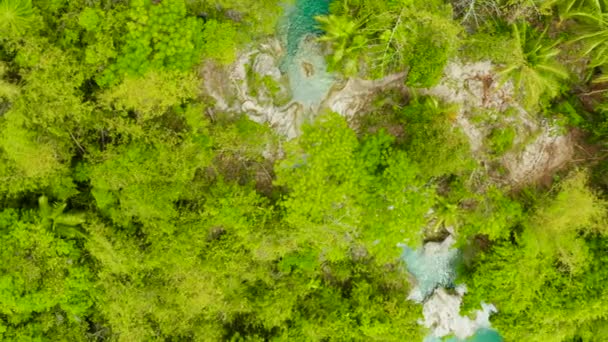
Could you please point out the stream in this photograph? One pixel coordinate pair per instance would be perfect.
(433, 265)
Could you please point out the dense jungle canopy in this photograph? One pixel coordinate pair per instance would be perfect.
(149, 190)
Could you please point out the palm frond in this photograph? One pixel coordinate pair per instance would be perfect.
(15, 16)
(538, 73)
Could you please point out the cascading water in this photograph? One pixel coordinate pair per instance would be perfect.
(434, 264)
(434, 267)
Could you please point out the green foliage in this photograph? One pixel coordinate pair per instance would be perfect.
(133, 210)
(8, 91)
(221, 40)
(145, 180)
(39, 129)
(493, 42)
(351, 191)
(592, 28)
(90, 19)
(494, 215)
(546, 283)
(152, 94)
(379, 38)
(325, 181)
(160, 35)
(54, 218)
(45, 288)
(436, 41)
(575, 211)
(432, 140)
(346, 40)
(475, 13)
(254, 17)
(501, 139)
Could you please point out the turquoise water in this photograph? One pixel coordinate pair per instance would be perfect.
(482, 335)
(431, 270)
(486, 335)
(301, 22)
(434, 266)
(304, 62)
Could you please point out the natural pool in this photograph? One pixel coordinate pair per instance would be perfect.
(304, 62)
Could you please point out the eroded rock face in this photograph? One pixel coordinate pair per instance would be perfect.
(546, 154)
(253, 85)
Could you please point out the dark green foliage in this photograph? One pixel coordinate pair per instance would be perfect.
(501, 140)
(591, 19)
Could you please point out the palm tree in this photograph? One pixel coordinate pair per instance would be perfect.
(346, 41)
(535, 69)
(15, 16)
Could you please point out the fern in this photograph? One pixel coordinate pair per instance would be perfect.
(15, 16)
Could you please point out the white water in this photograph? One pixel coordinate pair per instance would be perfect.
(433, 266)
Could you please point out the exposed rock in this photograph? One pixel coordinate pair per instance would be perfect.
(547, 153)
(432, 268)
(356, 95)
(308, 69)
(313, 88)
(265, 65)
(540, 149)
(475, 87)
